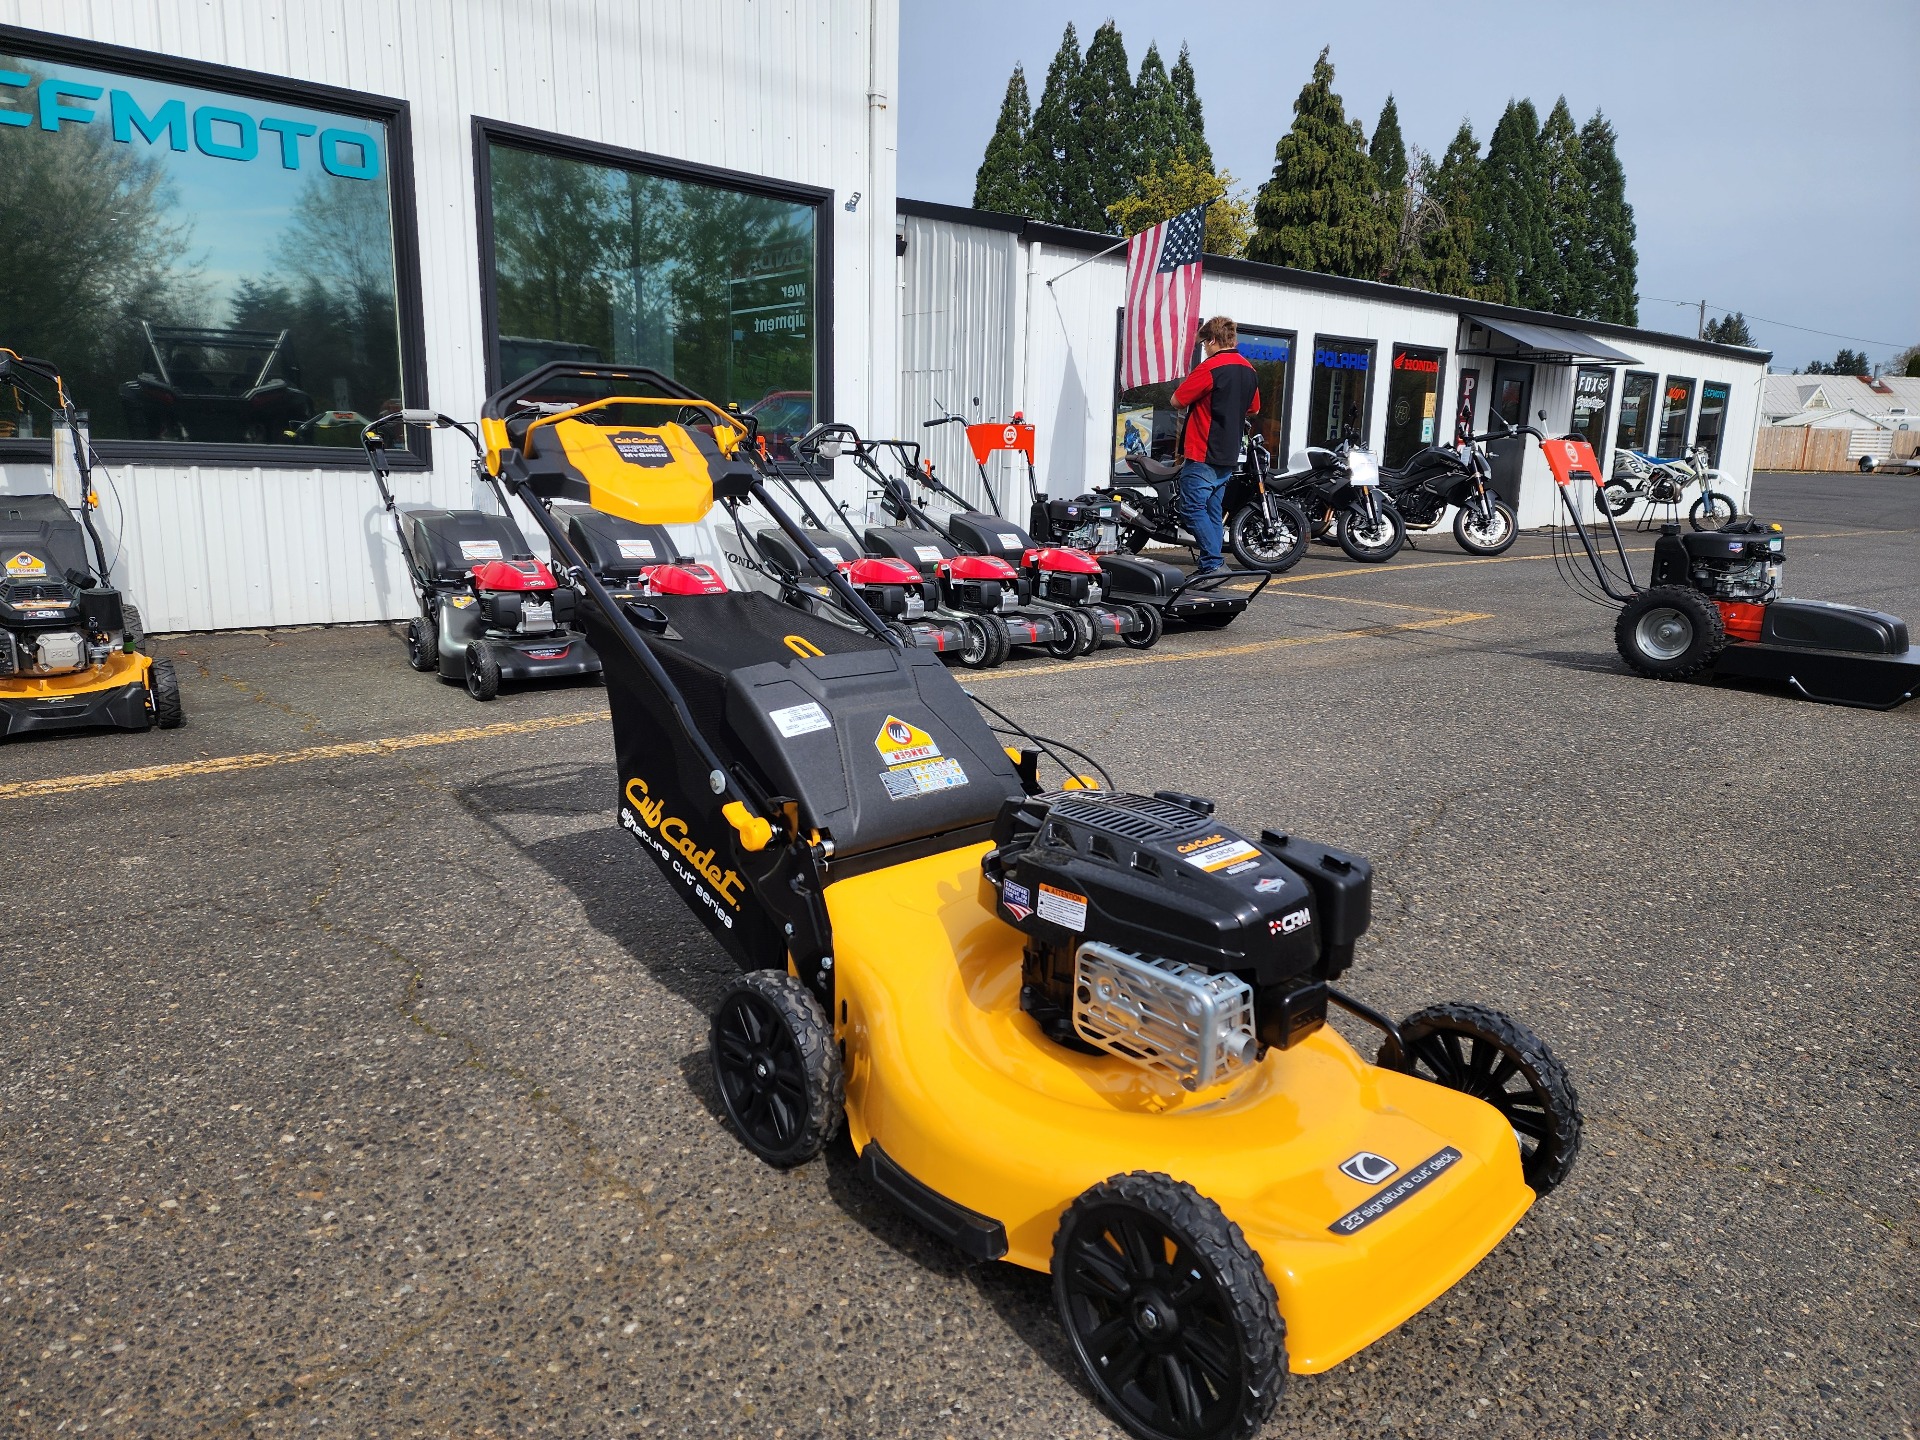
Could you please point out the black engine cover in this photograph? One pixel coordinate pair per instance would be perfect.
(922, 549)
(1819, 625)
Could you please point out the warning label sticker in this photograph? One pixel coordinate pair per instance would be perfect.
(832, 554)
(1010, 542)
(902, 744)
(1218, 852)
(640, 448)
(26, 564)
(800, 719)
(928, 553)
(923, 779)
(480, 550)
(636, 550)
(1062, 907)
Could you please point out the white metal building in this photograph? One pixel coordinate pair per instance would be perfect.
(326, 208)
(980, 322)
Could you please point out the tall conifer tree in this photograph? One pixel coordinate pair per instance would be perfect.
(1105, 132)
(1058, 157)
(1456, 190)
(1389, 150)
(1159, 123)
(1318, 211)
(1612, 264)
(1187, 92)
(1513, 210)
(1565, 270)
(1007, 180)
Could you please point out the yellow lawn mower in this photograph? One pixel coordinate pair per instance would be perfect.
(1080, 1030)
(69, 641)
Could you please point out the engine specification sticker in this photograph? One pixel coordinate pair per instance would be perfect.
(640, 448)
(1062, 907)
(1415, 1180)
(832, 554)
(1217, 852)
(900, 743)
(1009, 542)
(800, 719)
(924, 778)
(636, 550)
(480, 550)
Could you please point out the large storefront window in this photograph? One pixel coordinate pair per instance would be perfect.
(1675, 409)
(203, 266)
(1636, 411)
(598, 260)
(1341, 371)
(1413, 402)
(1592, 396)
(1712, 427)
(1146, 424)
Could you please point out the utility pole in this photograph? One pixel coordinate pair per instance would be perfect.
(1701, 334)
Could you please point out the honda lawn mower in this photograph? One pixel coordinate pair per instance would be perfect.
(632, 560)
(1210, 601)
(69, 642)
(1079, 1030)
(1712, 605)
(489, 611)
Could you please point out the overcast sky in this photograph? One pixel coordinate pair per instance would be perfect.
(1772, 150)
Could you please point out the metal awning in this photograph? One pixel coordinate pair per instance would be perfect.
(1543, 342)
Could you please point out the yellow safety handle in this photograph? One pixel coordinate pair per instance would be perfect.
(754, 832)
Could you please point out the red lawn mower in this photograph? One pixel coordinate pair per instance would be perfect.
(1712, 604)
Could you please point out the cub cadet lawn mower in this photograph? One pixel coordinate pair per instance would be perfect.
(1080, 1030)
(489, 611)
(1712, 604)
(69, 643)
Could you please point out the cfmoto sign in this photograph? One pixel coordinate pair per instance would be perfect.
(219, 131)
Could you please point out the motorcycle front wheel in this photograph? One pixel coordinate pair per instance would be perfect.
(1712, 510)
(1272, 544)
(1371, 541)
(1489, 534)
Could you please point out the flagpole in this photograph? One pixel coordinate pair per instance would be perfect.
(1118, 244)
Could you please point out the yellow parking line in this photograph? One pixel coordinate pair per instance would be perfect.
(1369, 600)
(1255, 647)
(219, 764)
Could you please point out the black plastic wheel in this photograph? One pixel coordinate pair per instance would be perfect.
(483, 672)
(1170, 1313)
(133, 633)
(776, 1067)
(1669, 632)
(1002, 639)
(1088, 632)
(1371, 541)
(1493, 1057)
(1712, 510)
(976, 651)
(1617, 497)
(1067, 644)
(423, 644)
(163, 696)
(1263, 544)
(1492, 534)
(1152, 627)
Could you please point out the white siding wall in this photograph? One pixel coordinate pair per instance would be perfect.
(798, 91)
(964, 288)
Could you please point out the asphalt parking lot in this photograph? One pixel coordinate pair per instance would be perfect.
(355, 1080)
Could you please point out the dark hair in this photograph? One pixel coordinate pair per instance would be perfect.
(1220, 330)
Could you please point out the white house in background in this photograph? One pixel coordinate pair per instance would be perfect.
(1873, 409)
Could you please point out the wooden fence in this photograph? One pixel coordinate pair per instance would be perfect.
(1801, 447)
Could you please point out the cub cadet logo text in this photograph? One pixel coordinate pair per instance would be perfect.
(1202, 843)
(687, 860)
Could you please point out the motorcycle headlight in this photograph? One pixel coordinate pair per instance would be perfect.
(1362, 468)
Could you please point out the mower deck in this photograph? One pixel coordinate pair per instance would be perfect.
(113, 695)
(977, 1108)
(1838, 677)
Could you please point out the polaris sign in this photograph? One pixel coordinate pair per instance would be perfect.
(214, 130)
(1340, 359)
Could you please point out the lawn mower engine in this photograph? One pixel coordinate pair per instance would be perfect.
(893, 589)
(982, 582)
(521, 597)
(49, 627)
(1158, 935)
(1736, 566)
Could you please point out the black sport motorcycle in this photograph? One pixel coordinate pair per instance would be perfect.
(1264, 530)
(1460, 476)
(1339, 489)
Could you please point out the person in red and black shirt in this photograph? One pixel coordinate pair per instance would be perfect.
(1219, 394)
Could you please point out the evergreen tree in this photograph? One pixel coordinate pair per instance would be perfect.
(1906, 363)
(1058, 158)
(1159, 122)
(1514, 210)
(1448, 252)
(1186, 91)
(1389, 150)
(1563, 269)
(1163, 192)
(1006, 180)
(1612, 269)
(1317, 211)
(1105, 131)
(1729, 330)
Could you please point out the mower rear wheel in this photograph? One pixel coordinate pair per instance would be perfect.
(423, 644)
(1087, 631)
(1493, 1057)
(133, 633)
(776, 1067)
(980, 651)
(163, 695)
(1067, 644)
(1152, 627)
(1169, 1310)
(1669, 632)
(483, 672)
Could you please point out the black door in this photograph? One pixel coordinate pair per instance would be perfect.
(1513, 398)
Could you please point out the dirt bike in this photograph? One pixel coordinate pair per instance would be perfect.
(1665, 482)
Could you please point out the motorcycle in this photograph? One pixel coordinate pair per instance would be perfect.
(1462, 477)
(1264, 531)
(1665, 482)
(1340, 489)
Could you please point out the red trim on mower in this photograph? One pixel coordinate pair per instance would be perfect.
(521, 575)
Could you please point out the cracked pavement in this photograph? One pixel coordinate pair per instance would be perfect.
(366, 1094)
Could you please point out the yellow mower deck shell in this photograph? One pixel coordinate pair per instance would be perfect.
(964, 1092)
(119, 669)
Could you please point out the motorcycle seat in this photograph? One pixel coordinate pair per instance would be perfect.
(1152, 469)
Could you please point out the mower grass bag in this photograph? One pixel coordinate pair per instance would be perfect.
(1078, 1030)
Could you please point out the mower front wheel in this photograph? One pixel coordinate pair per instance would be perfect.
(987, 642)
(1152, 627)
(1493, 1057)
(1170, 1312)
(776, 1067)
(163, 695)
(1669, 632)
(483, 672)
(423, 644)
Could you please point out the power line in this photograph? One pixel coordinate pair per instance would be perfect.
(1807, 329)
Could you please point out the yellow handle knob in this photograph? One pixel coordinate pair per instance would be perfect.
(754, 832)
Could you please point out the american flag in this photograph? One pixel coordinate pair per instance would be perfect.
(1163, 300)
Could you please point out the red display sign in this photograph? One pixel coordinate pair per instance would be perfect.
(1414, 362)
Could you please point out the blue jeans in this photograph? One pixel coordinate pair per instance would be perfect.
(1203, 490)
